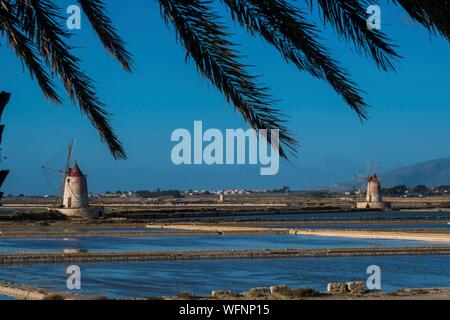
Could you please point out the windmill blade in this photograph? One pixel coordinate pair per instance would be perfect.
(49, 182)
(375, 168)
(360, 182)
(69, 155)
(67, 169)
(44, 168)
(362, 187)
(367, 168)
(359, 178)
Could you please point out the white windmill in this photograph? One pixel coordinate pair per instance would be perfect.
(374, 198)
(74, 200)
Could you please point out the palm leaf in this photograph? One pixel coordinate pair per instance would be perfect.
(95, 11)
(349, 18)
(33, 31)
(24, 48)
(40, 21)
(4, 99)
(205, 40)
(286, 28)
(432, 14)
(3, 175)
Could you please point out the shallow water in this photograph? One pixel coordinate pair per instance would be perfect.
(193, 242)
(158, 278)
(83, 230)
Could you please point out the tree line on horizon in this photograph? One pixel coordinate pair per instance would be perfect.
(419, 190)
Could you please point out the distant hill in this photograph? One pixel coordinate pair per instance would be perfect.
(430, 173)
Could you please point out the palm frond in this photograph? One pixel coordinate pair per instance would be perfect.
(25, 49)
(205, 40)
(4, 99)
(286, 28)
(40, 21)
(349, 19)
(95, 11)
(432, 14)
(3, 175)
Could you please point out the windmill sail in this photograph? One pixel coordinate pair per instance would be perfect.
(65, 172)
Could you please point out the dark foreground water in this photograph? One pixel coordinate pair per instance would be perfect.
(158, 278)
(197, 242)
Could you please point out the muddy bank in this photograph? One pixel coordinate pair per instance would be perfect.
(131, 234)
(334, 222)
(276, 292)
(378, 234)
(222, 229)
(145, 213)
(186, 229)
(38, 258)
(366, 234)
(111, 223)
(280, 292)
(22, 292)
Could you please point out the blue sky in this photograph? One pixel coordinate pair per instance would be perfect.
(409, 114)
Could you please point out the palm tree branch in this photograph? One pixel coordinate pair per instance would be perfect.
(25, 49)
(40, 18)
(205, 40)
(95, 11)
(349, 19)
(4, 99)
(432, 14)
(285, 27)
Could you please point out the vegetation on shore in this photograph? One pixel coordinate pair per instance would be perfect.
(34, 215)
(417, 191)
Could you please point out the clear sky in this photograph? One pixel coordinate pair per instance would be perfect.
(409, 115)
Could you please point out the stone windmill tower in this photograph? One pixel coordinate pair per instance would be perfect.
(75, 194)
(373, 189)
(374, 198)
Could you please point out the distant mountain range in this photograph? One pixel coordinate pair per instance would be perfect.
(430, 173)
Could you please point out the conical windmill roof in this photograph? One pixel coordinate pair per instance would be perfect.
(76, 171)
